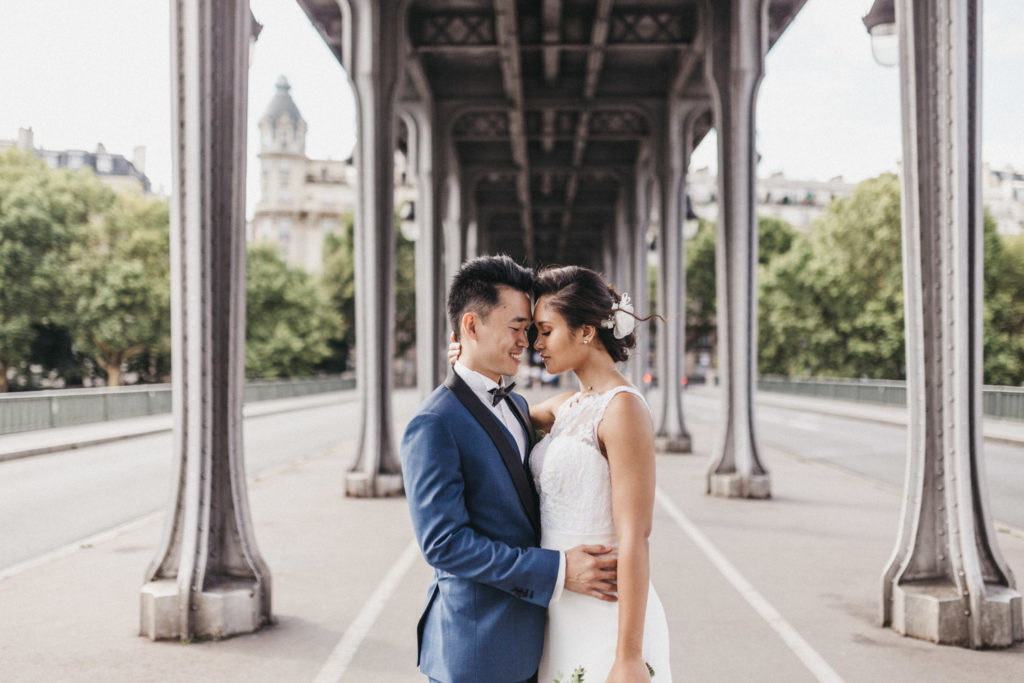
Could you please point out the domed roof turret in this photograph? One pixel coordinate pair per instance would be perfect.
(282, 104)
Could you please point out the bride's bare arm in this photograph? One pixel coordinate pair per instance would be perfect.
(542, 415)
(627, 435)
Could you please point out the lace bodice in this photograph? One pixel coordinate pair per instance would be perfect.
(570, 472)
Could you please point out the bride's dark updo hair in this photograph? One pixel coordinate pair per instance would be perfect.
(582, 297)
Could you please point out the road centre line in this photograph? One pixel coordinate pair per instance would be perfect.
(75, 546)
(337, 663)
(115, 531)
(800, 647)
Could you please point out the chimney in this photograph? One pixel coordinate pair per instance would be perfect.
(26, 139)
(139, 158)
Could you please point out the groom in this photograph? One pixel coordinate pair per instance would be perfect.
(465, 461)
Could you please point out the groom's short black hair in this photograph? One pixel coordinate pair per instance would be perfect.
(475, 286)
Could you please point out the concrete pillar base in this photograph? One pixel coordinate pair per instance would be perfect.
(227, 610)
(933, 610)
(734, 485)
(362, 485)
(673, 444)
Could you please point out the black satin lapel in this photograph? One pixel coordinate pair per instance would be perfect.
(509, 454)
(525, 421)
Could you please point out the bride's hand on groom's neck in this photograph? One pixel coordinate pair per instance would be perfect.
(590, 571)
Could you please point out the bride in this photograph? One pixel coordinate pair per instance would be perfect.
(594, 473)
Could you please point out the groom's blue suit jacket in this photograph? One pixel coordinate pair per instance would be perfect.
(476, 518)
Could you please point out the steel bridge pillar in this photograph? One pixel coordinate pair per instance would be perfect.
(672, 435)
(946, 581)
(622, 274)
(208, 579)
(450, 205)
(429, 297)
(736, 44)
(373, 62)
(637, 288)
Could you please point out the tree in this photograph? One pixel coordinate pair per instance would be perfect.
(700, 287)
(1004, 307)
(339, 282)
(119, 283)
(833, 304)
(42, 213)
(775, 237)
(405, 292)
(288, 317)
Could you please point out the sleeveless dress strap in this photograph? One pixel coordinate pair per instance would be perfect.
(607, 397)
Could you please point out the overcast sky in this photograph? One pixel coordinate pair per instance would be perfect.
(81, 72)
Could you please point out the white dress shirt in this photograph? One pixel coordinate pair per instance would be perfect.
(481, 385)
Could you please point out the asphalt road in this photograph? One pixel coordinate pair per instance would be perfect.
(52, 500)
(873, 450)
(48, 501)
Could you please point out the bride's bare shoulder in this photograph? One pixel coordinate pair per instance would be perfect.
(626, 413)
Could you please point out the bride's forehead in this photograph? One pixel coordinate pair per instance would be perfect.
(543, 314)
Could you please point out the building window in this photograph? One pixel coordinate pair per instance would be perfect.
(284, 231)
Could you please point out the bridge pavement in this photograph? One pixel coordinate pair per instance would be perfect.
(780, 590)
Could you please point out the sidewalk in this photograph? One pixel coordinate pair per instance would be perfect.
(39, 441)
(347, 588)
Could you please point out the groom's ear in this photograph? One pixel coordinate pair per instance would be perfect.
(467, 326)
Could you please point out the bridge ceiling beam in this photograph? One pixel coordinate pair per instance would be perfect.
(507, 33)
(551, 87)
(595, 60)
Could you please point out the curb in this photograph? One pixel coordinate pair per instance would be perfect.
(82, 442)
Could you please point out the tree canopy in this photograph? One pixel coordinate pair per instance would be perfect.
(43, 213)
(119, 284)
(288, 319)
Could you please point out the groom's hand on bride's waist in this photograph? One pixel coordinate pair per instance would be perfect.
(591, 571)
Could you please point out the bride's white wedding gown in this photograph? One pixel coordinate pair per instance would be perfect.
(573, 480)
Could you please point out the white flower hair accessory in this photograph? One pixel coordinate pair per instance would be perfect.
(621, 321)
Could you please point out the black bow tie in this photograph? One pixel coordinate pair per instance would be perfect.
(498, 394)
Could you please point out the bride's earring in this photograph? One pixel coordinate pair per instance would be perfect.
(586, 341)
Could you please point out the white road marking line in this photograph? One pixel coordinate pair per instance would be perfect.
(114, 532)
(800, 647)
(75, 546)
(337, 663)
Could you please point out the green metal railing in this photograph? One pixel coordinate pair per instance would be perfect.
(1000, 402)
(28, 410)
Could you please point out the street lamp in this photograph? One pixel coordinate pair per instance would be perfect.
(880, 22)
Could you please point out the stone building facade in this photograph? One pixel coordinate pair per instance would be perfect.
(798, 202)
(115, 170)
(301, 199)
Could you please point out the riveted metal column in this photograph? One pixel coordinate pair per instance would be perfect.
(946, 581)
(638, 287)
(735, 62)
(474, 240)
(429, 300)
(451, 209)
(376, 34)
(623, 237)
(672, 435)
(208, 579)
(608, 251)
